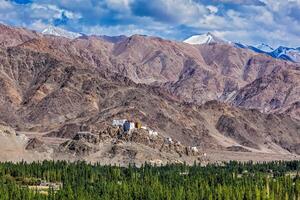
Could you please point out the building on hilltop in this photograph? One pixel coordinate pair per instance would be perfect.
(119, 122)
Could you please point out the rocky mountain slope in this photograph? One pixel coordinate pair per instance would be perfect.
(202, 96)
(197, 73)
(283, 53)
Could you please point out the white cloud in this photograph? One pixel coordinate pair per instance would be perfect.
(5, 4)
(116, 30)
(51, 11)
(273, 23)
(212, 9)
(119, 4)
(172, 11)
(149, 28)
(249, 21)
(38, 25)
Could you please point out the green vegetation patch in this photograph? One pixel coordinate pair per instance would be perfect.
(69, 181)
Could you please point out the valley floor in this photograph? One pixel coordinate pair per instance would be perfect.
(53, 180)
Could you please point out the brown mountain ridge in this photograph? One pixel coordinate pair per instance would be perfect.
(227, 103)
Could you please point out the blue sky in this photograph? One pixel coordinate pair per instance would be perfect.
(276, 22)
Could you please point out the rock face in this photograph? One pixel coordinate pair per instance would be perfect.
(78, 148)
(196, 95)
(34, 143)
(276, 92)
(66, 131)
(231, 127)
(196, 73)
(12, 36)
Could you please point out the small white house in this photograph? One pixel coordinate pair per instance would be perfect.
(152, 133)
(132, 125)
(194, 149)
(169, 140)
(118, 122)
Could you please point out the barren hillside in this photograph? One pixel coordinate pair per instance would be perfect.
(213, 98)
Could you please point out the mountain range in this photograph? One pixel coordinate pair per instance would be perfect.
(284, 53)
(207, 103)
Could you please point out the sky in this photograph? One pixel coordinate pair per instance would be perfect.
(275, 22)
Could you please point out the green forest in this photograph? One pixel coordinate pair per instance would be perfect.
(67, 181)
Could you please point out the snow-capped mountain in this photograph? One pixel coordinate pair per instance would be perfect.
(52, 30)
(207, 38)
(264, 47)
(284, 53)
(261, 48)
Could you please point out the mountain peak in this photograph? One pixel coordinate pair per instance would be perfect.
(284, 53)
(209, 33)
(206, 38)
(265, 47)
(56, 31)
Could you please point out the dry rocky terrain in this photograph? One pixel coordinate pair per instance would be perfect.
(60, 97)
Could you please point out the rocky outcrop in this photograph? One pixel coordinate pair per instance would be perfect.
(78, 148)
(127, 153)
(12, 36)
(233, 128)
(87, 136)
(34, 144)
(67, 131)
(7, 131)
(275, 92)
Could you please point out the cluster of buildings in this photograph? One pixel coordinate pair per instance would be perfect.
(129, 125)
